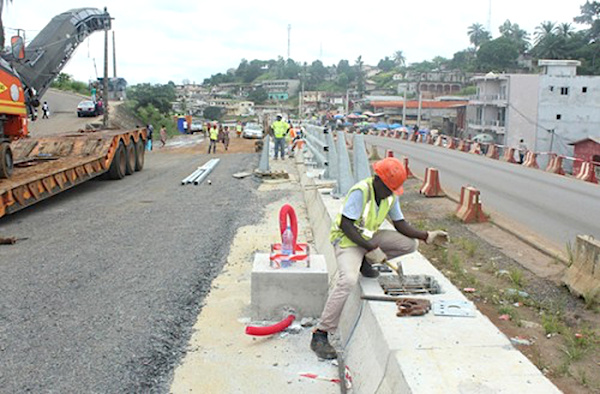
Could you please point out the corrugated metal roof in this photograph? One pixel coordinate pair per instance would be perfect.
(415, 104)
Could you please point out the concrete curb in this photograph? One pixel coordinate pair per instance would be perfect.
(387, 354)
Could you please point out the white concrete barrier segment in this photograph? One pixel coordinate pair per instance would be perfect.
(426, 354)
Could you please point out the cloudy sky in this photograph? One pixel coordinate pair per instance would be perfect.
(158, 41)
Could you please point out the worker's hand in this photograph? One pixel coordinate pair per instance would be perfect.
(376, 256)
(437, 237)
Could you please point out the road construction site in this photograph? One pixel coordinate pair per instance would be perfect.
(145, 285)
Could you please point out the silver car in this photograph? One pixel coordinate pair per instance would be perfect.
(253, 130)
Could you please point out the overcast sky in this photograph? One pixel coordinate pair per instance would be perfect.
(158, 41)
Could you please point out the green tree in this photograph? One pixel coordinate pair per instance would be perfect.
(497, 55)
(478, 35)
(399, 59)
(464, 60)
(544, 30)
(159, 96)
(386, 64)
(258, 95)
(518, 36)
(590, 15)
(213, 113)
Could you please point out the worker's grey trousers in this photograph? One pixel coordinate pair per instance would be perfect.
(280, 146)
(349, 260)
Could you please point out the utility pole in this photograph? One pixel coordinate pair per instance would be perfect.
(105, 80)
(404, 106)
(114, 56)
(289, 31)
(419, 110)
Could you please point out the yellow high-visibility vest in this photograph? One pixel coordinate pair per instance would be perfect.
(214, 134)
(280, 128)
(371, 218)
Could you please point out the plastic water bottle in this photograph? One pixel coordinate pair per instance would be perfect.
(287, 241)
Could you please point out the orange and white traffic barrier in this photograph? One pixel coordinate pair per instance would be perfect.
(475, 148)
(587, 172)
(469, 209)
(492, 152)
(509, 155)
(414, 137)
(431, 184)
(404, 135)
(439, 141)
(451, 143)
(409, 173)
(429, 139)
(530, 160)
(462, 146)
(555, 165)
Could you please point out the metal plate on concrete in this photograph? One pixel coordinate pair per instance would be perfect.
(453, 308)
(409, 284)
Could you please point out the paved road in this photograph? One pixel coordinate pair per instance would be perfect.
(556, 207)
(102, 295)
(63, 115)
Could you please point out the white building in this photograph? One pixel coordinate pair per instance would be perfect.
(548, 111)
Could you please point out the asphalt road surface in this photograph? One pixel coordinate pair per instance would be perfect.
(102, 295)
(556, 207)
(63, 114)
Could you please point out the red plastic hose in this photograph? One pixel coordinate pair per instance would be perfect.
(270, 330)
(286, 212)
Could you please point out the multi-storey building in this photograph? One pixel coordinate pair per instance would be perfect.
(548, 110)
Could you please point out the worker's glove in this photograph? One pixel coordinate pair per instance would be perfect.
(376, 256)
(437, 237)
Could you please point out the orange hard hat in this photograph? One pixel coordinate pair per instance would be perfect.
(392, 172)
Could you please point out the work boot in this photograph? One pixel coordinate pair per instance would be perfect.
(367, 270)
(320, 345)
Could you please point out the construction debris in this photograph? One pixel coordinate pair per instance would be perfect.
(8, 241)
(272, 174)
(241, 175)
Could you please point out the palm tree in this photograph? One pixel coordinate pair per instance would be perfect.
(545, 29)
(478, 35)
(1, 24)
(565, 30)
(399, 58)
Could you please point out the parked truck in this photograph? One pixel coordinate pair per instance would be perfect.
(32, 168)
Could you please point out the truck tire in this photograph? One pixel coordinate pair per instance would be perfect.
(6, 160)
(119, 163)
(140, 152)
(130, 153)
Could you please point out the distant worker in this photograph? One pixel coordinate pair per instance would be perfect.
(359, 243)
(290, 136)
(163, 136)
(94, 94)
(225, 137)
(149, 132)
(522, 150)
(280, 129)
(214, 137)
(239, 129)
(46, 110)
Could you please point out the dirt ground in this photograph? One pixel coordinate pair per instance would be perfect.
(518, 289)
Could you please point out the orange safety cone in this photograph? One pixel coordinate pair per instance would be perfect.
(409, 173)
(431, 184)
(469, 209)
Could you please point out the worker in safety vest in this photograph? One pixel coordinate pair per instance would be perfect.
(289, 138)
(359, 243)
(213, 134)
(280, 129)
(238, 129)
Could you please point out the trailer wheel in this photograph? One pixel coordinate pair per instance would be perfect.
(140, 152)
(119, 163)
(6, 160)
(130, 153)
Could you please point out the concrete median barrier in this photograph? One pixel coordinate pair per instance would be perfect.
(469, 208)
(583, 276)
(530, 160)
(555, 164)
(587, 172)
(431, 184)
(492, 152)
